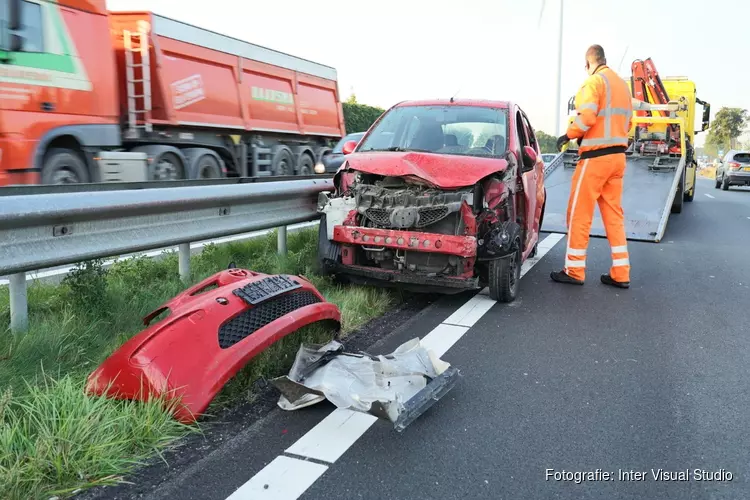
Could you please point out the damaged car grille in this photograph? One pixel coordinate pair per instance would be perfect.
(407, 217)
(251, 320)
(408, 207)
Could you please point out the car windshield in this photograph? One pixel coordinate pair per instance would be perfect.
(339, 148)
(447, 129)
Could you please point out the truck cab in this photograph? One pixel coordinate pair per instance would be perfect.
(58, 104)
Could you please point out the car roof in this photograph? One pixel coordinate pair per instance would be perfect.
(479, 103)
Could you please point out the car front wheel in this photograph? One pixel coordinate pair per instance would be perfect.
(505, 276)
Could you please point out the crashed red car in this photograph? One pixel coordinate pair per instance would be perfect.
(437, 196)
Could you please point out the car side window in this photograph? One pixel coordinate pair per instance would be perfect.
(530, 132)
(522, 139)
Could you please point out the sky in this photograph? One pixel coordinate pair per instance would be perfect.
(394, 50)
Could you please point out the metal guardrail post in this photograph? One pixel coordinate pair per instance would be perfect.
(184, 259)
(19, 304)
(281, 241)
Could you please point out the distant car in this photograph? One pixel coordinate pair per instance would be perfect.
(546, 158)
(331, 162)
(733, 170)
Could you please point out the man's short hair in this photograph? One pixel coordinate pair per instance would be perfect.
(596, 52)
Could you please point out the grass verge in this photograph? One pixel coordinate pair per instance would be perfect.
(54, 440)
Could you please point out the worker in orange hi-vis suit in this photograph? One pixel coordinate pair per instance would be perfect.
(604, 108)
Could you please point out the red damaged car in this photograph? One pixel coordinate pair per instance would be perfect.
(437, 196)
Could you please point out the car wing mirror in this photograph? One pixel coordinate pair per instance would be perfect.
(349, 147)
(529, 157)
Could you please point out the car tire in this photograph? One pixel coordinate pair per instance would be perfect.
(717, 184)
(505, 276)
(327, 249)
(724, 183)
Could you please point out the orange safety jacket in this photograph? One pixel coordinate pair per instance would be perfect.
(605, 110)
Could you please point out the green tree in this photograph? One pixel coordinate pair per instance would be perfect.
(727, 126)
(359, 117)
(547, 143)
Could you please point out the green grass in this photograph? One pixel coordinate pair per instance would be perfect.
(54, 439)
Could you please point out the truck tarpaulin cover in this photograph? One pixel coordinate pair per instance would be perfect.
(398, 387)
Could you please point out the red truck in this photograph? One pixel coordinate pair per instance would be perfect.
(89, 95)
(437, 196)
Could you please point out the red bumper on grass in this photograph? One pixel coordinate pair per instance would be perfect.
(214, 329)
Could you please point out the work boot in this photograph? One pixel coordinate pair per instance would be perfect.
(562, 277)
(607, 280)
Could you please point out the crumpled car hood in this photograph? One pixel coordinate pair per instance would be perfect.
(443, 171)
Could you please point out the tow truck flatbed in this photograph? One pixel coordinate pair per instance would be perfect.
(648, 194)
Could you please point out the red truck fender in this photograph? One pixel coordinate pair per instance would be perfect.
(214, 328)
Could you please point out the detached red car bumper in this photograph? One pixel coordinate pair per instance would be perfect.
(214, 329)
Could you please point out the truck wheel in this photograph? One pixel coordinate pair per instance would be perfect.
(305, 165)
(207, 168)
(64, 166)
(166, 167)
(679, 197)
(282, 163)
(689, 195)
(505, 275)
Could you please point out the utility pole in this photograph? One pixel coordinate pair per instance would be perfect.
(559, 73)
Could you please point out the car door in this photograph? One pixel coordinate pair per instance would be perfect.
(529, 178)
(539, 178)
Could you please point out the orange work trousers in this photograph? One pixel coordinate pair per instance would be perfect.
(597, 180)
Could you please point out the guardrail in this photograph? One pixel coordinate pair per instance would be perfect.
(56, 228)
(117, 186)
(549, 167)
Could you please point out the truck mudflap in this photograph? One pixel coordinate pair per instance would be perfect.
(397, 387)
(648, 194)
(213, 329)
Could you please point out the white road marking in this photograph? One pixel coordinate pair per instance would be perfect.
(330, 439)
(469, 313)
(443, 337)
(709, 195)
(34, 275)
(336, 433)
(284, 478)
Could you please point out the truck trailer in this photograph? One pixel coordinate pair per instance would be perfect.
(90, 95)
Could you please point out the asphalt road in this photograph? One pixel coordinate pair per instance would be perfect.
(566, 378)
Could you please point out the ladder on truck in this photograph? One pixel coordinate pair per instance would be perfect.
(138, 75)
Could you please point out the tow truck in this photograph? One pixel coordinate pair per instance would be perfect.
(661, 166)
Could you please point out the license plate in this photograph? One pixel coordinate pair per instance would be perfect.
(258, 291)
(746, 169)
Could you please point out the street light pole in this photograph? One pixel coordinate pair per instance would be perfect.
(559, 73)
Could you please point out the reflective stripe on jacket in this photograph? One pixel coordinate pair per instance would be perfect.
(605, 110)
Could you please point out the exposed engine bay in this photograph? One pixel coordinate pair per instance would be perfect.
(479, 212)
